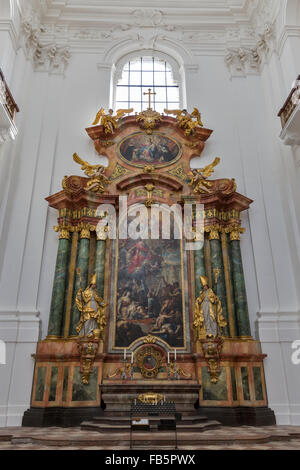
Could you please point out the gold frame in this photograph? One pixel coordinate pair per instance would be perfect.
(142, 165)
(149, 351)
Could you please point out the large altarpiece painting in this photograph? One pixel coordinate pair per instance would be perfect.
(149, 294)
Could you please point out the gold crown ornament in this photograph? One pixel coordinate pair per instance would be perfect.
(204, 281)
(93, 279)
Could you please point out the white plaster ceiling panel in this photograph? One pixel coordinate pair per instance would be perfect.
(197, 25)
(176, 10)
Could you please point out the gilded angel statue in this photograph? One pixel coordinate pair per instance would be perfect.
(187, 121)
(95, 173)
(200, 175)
(108, 121)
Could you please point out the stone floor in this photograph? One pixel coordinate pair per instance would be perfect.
(224, 438)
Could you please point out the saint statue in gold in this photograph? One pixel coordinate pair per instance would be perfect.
(92, 320)
(208, 318)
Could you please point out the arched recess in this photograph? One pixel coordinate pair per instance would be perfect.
(170, 50)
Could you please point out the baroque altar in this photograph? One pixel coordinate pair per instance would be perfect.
(134, 315)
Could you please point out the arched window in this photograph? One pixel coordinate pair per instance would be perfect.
(138, 76)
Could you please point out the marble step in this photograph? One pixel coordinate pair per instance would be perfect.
(6, 437)
(148, 440)
(188, 420)
(104, 428)
(193, 420)
(198, 427)
(155, 440)
(123, 427)
(140, 447)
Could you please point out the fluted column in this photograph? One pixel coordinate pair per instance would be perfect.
(82, 263)
(240, 296)
(59, 286)
(218, 278)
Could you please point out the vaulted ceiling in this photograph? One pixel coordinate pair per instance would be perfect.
(214, 25)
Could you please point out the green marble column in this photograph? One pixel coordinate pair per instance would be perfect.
(229, 284)
(199, 269)
(240, 296)
(59, 288)
(100, 265)
(82, 263)
(219, 288)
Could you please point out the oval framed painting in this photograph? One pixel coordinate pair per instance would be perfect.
(149, 362)
(157, 150)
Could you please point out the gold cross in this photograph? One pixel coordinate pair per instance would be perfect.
(149, 97)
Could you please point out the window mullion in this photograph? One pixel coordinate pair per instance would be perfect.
(153, 76)
(166, 94)
(167, 104)
(129, 85)
(141, 84)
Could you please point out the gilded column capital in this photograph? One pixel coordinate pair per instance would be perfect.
(214, 231)
(234, 230)
(85, 230)
(102, 234)
(64, 231)
(85, 233)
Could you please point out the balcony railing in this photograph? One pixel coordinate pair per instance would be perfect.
(290, 104)
(6, 98)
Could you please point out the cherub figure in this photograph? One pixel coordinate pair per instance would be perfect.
(187, 121)
(108, 121)
(200, 175)
(95, 173)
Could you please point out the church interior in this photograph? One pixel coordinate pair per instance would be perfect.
(149, 264)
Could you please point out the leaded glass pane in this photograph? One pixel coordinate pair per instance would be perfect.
(143, 73)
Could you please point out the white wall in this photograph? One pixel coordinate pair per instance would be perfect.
(56, 108)
(19, 329)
